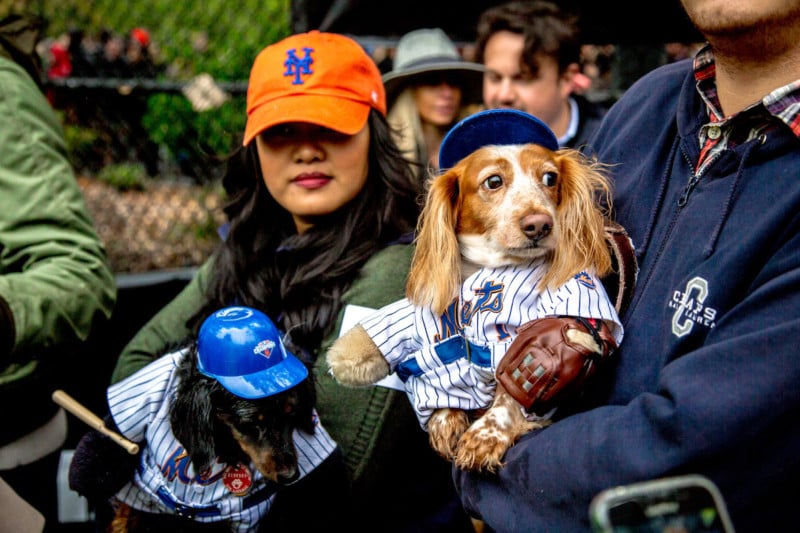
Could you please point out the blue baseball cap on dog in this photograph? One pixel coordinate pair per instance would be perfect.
(493, 126)
(242, 349)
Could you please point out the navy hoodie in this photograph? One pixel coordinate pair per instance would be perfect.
(708, 377)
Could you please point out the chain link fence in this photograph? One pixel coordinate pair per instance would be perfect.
(151, 95)
(152, 98)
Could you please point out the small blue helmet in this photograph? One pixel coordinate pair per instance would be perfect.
(493, 126)
(242, 349)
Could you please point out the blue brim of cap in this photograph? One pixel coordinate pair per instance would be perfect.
(493, 127)
(278, 378)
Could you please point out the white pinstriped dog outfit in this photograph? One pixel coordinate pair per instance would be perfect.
(450, 360)
(165, 481)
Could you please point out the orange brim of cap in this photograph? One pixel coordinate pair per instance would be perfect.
(339, 114)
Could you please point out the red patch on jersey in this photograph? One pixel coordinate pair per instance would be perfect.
(237, 479)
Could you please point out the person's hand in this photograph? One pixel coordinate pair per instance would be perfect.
(100, 467)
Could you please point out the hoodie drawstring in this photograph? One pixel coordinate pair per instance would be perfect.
(712, 243)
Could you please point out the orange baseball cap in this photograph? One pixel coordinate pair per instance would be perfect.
(317, 77)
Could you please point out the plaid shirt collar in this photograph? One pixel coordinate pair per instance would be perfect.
(782, 103)
(723, 132)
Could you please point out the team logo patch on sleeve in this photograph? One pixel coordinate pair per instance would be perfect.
(585, 279)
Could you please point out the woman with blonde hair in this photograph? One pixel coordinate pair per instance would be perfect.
(429, 89)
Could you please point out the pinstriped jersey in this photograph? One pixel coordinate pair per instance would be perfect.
(492, 304)
(166, 480)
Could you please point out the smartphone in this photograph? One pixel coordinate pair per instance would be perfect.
(682, 504)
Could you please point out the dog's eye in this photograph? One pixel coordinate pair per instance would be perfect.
(549, 179)
(492, 182)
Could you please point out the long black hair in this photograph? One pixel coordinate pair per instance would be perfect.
(298, 280)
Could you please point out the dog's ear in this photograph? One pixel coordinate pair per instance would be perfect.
(435, 274)
(305, 396)
(192, 414)
(584, 193)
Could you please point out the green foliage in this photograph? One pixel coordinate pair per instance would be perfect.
(124, 176)
(234, 32)
(171, 121)
(80, 141)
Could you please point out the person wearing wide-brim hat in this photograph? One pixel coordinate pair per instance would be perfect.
(429, 89)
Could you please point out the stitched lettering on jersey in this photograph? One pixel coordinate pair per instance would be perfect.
(177, 465)
(502, 332)
(296, 66)
(448, 323)
(488, 298)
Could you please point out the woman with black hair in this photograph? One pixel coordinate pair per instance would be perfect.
(322, 208)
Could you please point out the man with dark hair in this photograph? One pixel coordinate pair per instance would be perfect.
(531, 50)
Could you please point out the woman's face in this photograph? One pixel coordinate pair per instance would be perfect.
(311, 170)
(438, 100)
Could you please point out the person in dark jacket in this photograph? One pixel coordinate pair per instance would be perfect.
(705, 155)
(532, 53)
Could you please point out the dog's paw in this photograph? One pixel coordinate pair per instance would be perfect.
(485, 442)
(355, 360)
(445, 428)
(482, 447)
(585, 339)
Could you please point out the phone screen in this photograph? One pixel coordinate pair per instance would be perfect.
(688, 510)
(665, 506)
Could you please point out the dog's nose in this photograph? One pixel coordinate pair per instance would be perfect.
(537, 227)
(288, 476)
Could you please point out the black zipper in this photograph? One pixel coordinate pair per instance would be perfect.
(693, 181)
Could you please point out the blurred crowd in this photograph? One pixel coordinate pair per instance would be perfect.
(107, 54)
(601, 78)
(114, 115)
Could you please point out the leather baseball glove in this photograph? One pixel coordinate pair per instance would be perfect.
(544, 365)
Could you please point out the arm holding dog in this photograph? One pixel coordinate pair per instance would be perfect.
(707, 378)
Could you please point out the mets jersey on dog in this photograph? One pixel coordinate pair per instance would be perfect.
(165, 480)
(450, 360)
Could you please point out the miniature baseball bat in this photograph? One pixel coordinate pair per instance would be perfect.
(71, 404)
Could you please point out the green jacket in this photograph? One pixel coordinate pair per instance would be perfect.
(56, 286)
(397, 478)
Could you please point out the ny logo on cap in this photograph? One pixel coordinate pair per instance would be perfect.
(297, 67)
